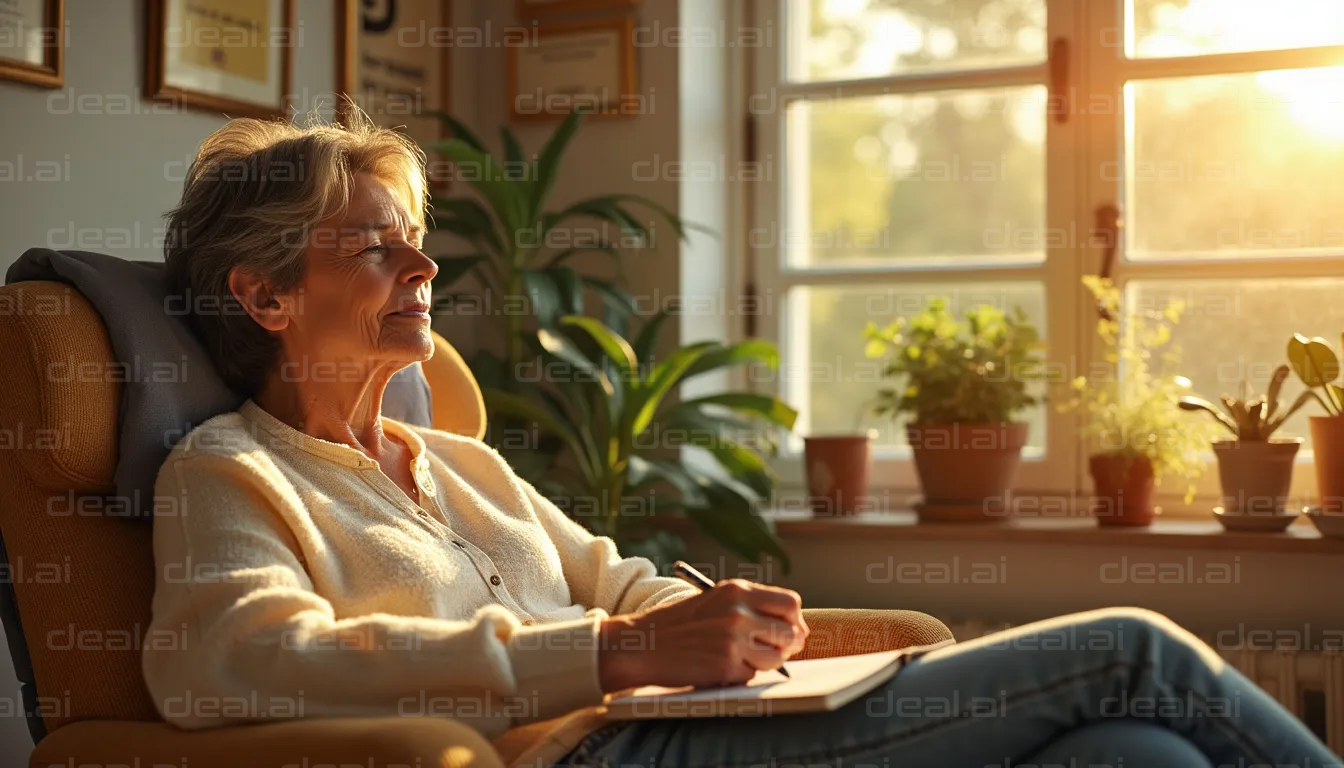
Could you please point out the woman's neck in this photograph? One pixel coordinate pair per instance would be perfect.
(349, 413)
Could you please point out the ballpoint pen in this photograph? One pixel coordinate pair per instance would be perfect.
(686, 573)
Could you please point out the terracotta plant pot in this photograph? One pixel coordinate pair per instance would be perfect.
(1256, 476)
(966, 470)
(837, 472)
(1122, 489)
(1327, 441)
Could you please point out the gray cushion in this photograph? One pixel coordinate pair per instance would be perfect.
(149, 337)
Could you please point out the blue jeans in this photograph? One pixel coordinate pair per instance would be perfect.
(1117, 687)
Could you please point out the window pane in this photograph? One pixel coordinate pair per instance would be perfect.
(1237, 165)
(1235, 330)
(934, 177)
(825, 371)
(1160, 28)
(851, 39)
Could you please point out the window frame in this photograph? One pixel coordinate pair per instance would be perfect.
(1077, 151)
(893, 476)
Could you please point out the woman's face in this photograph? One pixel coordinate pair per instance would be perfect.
(363, 303)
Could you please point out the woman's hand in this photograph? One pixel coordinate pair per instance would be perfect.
(718, 637)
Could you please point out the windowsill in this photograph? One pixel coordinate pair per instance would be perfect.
(1300, 538)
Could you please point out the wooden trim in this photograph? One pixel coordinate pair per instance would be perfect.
(51, 73)
(347, 53)
(1300, 538)
(525, 10)
(155, 73)
(916, 82)
(348, 32)
(624, 26)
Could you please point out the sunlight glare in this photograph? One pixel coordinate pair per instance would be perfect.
(1314, 97)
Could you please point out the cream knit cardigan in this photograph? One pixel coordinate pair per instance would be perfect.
(294, 579)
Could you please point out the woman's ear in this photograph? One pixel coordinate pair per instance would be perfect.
(271, 310)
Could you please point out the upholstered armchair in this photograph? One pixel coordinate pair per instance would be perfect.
(76, 640)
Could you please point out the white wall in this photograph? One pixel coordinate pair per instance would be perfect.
(121, 161)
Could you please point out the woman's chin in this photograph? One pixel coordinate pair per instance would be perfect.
(408, 346)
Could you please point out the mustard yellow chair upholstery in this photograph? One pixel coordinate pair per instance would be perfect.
(458, 406)
(84, 630)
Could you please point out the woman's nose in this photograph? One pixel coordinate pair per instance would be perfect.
(418, 268)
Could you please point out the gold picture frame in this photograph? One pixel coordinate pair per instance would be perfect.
(229, 56)
(398, 68)
(533, 9)
(585, 64)
(43, 63)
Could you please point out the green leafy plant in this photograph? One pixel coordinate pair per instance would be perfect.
(975, 369)
(1317, 367)
(1250, 418)
(520, 250)
(611, 404)
(1132, 402)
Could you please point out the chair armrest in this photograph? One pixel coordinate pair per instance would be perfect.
(847, 631)
(428, 742)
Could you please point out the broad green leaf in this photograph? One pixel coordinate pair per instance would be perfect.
(548, 161)
(619, 304)
(603, 247)
(466, 218)
(1313, 361)
(770, 408)
(742, 353)
(615, 347)
(704, 428)
(602, 209)
(731, 520)
(452, 268)
(643, 471)
(487, 177)
(499, 401)
(513, 151)
(458, 130)
(564, 349)
(554, 293)
(646, 344)
(663, 378)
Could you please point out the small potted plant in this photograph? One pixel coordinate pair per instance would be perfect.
(1134, 412)
(1316, 365)
(962, 384)
(1255, 468)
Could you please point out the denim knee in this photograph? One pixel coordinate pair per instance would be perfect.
(1122, 744)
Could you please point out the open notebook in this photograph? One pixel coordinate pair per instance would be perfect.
(816, 685)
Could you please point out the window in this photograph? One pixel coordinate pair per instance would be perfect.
(963, 148)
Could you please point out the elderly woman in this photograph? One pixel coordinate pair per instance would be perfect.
(328, 561)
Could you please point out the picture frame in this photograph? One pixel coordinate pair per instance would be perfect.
(32, 43)
(230, 56)
(396, 65)
(585, 64)
(532, 9)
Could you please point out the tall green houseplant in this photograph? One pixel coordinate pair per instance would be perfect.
(509, 230)
(606, 404)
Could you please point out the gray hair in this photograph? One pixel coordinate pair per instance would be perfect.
(251, 201)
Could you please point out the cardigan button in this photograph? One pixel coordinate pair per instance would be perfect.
(495, 580)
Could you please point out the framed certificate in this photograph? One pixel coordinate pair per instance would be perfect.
(398, 66)
(565, 66)
(230, 56)
(528, 9)
(32, 41)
